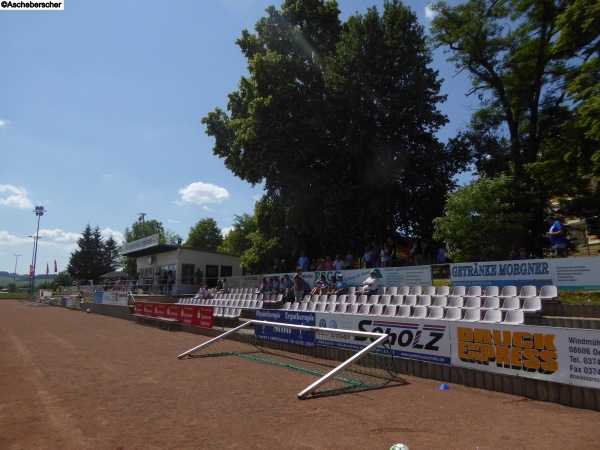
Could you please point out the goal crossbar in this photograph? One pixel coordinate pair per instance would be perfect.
(378, 339)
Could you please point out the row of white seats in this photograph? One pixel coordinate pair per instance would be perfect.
(245, 304)
(529, 304)
(416, 312)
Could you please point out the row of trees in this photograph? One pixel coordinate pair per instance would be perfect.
(338, 120)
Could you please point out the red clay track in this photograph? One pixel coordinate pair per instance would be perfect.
(70, 380)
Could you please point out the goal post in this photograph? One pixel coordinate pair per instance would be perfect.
(367, 366)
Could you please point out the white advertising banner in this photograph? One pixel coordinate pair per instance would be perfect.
(421, 339)
(115, 298)
(564, 273)
(562, 355)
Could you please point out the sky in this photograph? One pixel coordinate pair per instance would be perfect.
(100, 110)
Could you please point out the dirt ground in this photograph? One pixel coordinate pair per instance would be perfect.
(71, 380)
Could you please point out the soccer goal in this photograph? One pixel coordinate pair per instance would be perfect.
(344, 360)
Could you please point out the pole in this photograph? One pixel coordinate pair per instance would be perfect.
(15, 273)
(39, 212)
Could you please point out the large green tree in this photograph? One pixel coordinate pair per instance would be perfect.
(94, 258)
(205, 235)
(480, 220)
(524, 69)
(338, 121)
(237, 241)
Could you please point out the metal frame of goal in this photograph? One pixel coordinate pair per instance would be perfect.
(378, 340)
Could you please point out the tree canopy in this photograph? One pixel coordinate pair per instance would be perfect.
(338, 120)
(95, 256)
(205, 235)
(533, 66)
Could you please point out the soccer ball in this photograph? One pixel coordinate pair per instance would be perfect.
(89, 310)
(398, 447)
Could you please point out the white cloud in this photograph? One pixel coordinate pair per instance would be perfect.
(225, 230)
(200, 193)
(14, 196)
(4, 123)
(429, 13)
(116, 235)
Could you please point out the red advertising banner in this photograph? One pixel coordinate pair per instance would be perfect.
(194, 315)
(148, 309)
(160, 310)
(186, 314)
(203, 317)
(138, 308)
(172, 311)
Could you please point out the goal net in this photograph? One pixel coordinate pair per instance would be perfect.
(343, 360)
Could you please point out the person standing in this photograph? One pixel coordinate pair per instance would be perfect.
(198, 275)
(303, 262)
(557, 237)
(299, 286)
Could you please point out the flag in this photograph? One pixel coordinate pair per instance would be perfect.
(47, 269)
(30, 270)
(55, 269)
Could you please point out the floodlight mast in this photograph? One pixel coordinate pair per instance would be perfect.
(15, 272)
(39, 212)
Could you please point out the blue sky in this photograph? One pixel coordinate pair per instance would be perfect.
(100, 109)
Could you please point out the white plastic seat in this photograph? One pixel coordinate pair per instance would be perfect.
(440, 300)
(459, 290)
(443, 290)
(373, 299)
(527, 291)
(314, 298)
(416, 290)
(320, 307)
(303, 306)
(392, 290)
(508, 291)
(397, 300)
(341, 308)
(350, 298)
(259, 304)
(474, 291)
(332, 298)
(353, 308)
(419, 312)
(403, 290)
(492, 315)
(424, 300)
(351, 290)
(218, 312)
(549, 292)
(428, 290)
(380, 290)
(341, 298)
(330, 307)
(362, 299)
(532, 304)
(472, 315)
(491, 303)
(473, 302)
(311, 307)
(287, 306)
(365, 309)
(514, 316)
(490, 291)
(410, 300)
(323, 298)
(390, 310)
(376, 310)
(403, 311)
(435, 312)
(385, 299)
(278, 298)
(453, 314)
(510, 303)
(295, 306)
(456, 301)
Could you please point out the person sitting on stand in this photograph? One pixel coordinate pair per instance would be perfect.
(340, 286)
(320, 286)
(371, 284)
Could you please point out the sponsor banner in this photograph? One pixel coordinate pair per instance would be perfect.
(148, 309)
(564, 273)
(187, 314)
(285, 335)
(97, 297)
(421, 339)
(387, 276)
(138, 308)
(562, 355)
(115, 298)
(203, 316)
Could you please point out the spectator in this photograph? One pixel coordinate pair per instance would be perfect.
(339, 263)
(371, 284)
(375, 252)
(320, 286)
(523, 254)
(393, 258)
(330, 288)
(264, 286)
(557, 237)
(274, 286)
(368, 257)
(284, 267)
(328, 264)
(384, 256)
(299, 285)
(340, 285)
(321, 265)
(349, 260)
(303, 262)
(198, 275)
(287, 288)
